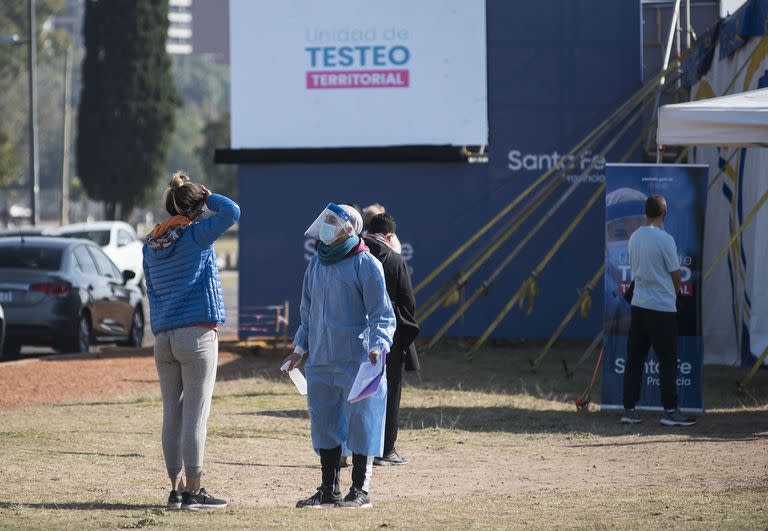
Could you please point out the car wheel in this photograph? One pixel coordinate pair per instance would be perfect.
(10, 351)
(81, 343)
(136, 336)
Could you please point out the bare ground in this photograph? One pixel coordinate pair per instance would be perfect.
(491, 446)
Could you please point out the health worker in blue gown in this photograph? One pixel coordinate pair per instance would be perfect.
(346, 319)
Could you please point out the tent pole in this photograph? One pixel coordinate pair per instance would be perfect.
(665, 65)
(670, 39)
(678, 54)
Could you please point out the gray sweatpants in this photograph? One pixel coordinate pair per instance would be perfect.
(186, 364)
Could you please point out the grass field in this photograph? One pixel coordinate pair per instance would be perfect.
(491, 444)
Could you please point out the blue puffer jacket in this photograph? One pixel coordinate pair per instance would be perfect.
(183, 285)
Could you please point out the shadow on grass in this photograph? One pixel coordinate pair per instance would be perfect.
(719, 426)
(98, 454)
(79, 506)
(265, 465)
(505, 369)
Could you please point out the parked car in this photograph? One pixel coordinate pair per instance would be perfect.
(116, 238)
(67, 294)
(26, 230)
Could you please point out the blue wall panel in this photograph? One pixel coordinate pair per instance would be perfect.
(556, 68)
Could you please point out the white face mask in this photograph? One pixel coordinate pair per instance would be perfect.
(329, 233)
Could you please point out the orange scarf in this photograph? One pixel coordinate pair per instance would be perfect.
(168, 224)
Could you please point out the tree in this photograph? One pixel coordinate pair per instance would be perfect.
(14, 20)
(9, 161)
(14, 96)
(127, 103)
(204, 87)
(222, 178)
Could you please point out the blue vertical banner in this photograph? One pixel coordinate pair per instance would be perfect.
(627, 187)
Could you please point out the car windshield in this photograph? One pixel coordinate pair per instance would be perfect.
(99, 237)
(45, 258)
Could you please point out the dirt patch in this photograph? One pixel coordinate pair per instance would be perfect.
(491, 446)
(111, 373)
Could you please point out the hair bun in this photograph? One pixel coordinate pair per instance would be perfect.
(178, 180)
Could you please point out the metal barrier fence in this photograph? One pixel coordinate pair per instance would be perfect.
(264, 322)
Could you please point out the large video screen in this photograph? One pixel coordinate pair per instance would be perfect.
(357, 73)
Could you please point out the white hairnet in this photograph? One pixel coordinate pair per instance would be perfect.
(354, 218)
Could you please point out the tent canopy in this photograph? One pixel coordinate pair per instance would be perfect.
(739, 119)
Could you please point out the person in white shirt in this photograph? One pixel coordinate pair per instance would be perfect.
(656, 274)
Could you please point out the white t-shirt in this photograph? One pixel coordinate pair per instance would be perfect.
(653, 256)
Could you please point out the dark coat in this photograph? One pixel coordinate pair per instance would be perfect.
(400, 292)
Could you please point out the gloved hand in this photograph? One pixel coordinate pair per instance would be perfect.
(293, 360)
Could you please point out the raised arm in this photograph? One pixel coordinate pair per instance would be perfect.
(226, 214)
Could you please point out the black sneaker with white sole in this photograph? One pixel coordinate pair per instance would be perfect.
(675, 418)
(356, 499)
(390, 459)
(201, 500)
(322, 499)
(630, 416)
(174, 500)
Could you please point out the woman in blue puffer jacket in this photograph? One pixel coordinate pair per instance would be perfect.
(186, 308)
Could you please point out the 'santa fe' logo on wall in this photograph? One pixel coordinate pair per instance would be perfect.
(352, 58)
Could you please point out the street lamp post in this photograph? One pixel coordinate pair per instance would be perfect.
(34, 165)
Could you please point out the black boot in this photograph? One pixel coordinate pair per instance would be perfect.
(328, 494)
(358, 496)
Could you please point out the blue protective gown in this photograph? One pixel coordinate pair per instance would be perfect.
(345, 313)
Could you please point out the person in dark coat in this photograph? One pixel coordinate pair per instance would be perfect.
(381, 231)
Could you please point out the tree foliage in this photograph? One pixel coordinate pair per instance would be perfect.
(222, 178)
(14, 20)
(204, 88)
(14, 95)
(9, 161)
(127, 102)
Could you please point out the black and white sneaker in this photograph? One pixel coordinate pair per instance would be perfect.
(174, 500)
(390, 459)
(675, 418)
(322, 499)
(630, 416)
(356, 499)
(201, 500)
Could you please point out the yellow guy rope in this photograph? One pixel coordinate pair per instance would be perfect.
(722, 170)
(753, 370)
(580, 304)
(487, 283)
(514, 300)
(629, 104)
(737, 234)
(429, 308)
(529, 286)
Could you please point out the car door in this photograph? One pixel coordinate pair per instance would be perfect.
(116, 320)
(129, 249)
(98, 290)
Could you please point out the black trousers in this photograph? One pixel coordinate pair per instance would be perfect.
(394, 388)
(659, 330)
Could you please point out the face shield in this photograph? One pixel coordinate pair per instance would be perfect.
(332, 223)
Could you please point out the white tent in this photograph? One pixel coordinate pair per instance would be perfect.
(735, 120)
